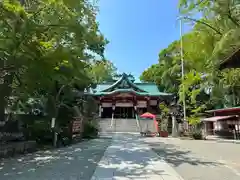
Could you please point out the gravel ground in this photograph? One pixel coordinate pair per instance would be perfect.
(76, 162)
(199, 160)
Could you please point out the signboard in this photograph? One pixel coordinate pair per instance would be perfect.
(53, 122)
(153, 102)
(77, 125)
(106, 104)
(124, 95)
(124, 104)
(141, 104)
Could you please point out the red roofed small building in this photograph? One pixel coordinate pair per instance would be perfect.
(225, 123)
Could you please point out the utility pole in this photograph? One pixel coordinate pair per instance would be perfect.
(182, 69)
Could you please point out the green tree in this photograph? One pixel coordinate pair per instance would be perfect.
(102, 70)
(46, 46)
(167, 73)
(214, 37)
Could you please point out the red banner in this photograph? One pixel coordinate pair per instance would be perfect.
(77, 125)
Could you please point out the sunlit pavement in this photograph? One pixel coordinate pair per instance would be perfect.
(199, 160)
(76, 162)
(128, 157)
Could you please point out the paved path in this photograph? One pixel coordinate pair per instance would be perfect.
(129, 158)
(199, 160)
(76, 162)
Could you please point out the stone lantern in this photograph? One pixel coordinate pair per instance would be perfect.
(174, 111)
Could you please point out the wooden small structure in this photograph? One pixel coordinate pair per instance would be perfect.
(224, 122)
(151, 126)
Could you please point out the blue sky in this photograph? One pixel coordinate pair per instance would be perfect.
(137, 31)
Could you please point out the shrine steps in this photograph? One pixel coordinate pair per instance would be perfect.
(118, 125)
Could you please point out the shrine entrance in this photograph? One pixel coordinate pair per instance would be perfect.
(124, 112)
(122, 101)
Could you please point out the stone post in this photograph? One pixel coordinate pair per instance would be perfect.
(113, 110)
(174, 126)
(112, 120)
(135, 110)
(100, 111)
(136, 116)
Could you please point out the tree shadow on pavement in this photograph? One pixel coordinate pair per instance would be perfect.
(176, 156)
(77, 162)
(131, 159)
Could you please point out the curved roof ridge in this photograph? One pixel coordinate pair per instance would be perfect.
(124, 76)
(120, 90)
(146, 83)
(136, 92)
(114, 84)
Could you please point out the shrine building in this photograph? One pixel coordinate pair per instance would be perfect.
(125, 99)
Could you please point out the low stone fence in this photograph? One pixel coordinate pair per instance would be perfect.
(10, 136)
(13, 148)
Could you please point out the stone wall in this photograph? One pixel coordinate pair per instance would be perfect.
(14, 148)
(7, 136)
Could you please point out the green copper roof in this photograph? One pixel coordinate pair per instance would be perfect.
(148, 87)
(125, 85)
(132, 91)
(125, 82)
(101, 87)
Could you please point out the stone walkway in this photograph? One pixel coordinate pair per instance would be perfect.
(129, 158)
(76, 162)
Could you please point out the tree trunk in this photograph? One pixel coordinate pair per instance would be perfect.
(5, 92)
(2, 104)
(52, 113)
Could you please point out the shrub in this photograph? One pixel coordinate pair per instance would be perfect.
(41, 132)
(164, 124)
(197, 135)
(90, 130)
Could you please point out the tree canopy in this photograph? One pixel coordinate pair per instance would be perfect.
(47, 46)
(214, 37)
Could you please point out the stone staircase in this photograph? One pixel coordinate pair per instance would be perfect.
(125, 125)
(105, 125)
(118, 125)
